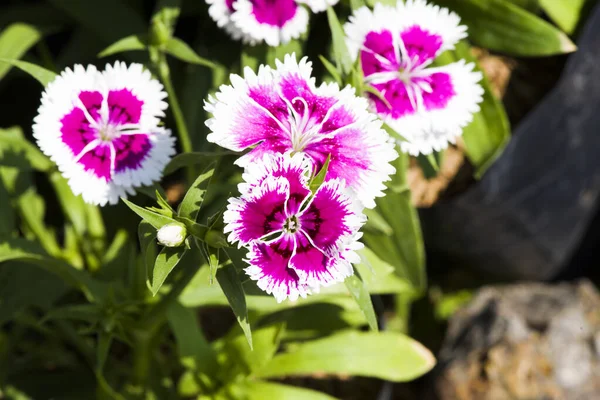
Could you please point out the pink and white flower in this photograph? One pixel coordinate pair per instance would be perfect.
(282, 111)
(428, 106)
(297, 241)
(274, 22)
(101, 129)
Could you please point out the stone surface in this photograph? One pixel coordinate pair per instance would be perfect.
(522, 342)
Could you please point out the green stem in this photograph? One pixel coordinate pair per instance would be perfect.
(184, 136)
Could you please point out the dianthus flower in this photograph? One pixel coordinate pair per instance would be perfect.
(428, 106)
(297, 241)
(101, 129)
(282, 111)
(272, 21)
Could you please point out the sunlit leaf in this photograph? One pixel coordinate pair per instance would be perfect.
(42, 75)
(129, 43)
(166, 261)
(192, 202)
(179, 49)
(384, 355)
(15, 40)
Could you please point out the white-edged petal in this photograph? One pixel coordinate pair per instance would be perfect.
(430, 131)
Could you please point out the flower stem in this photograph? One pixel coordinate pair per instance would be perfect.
(184, 136)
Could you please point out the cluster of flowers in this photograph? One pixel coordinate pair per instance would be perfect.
(428, 106)
(102, 130)
(273, 22)
(298, 239)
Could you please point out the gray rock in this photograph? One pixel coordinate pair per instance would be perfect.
(522, 342)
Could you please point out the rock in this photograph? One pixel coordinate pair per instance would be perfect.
(526, 218)
(527, 341)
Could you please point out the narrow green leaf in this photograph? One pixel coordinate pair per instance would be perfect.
(318, 180)
(7, 214)
(331, 69)
(42, 75)
(166, 261)
(340, 50)
(233, 290)
(192, 202)
(376, 223)
(261, 390)
(403, 249)
(243, 360)
(361, 295)
(192, 346)
(356, 4)
(187, 159)
(129, 43)
(384, 355)
(155, 219)
(501, 26)
(13, 143)
(148, 249)
(15, 40)
(179, 49)
(565, 13)
(29, 252)
(102, 348)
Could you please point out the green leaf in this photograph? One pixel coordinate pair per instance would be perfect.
(23, 285)
(565, 13)
(29, 252)
(155, 219)
(192, 202)
(42, 75)
(233, 290)
(486, 137)
(385, 355)
(261, 390)
(15, 40)
(102, 348)
(13, 143)
(192, 346)
(376, 223)
(7, 214)
(361, 295)
(501, 26)
(245, 361)
(187, 159)
(179, 49)
(340, 50)
(129, 43)
(331, 69)
(109, 20)
(148, 248)
(318, 180)
(403, 249)
(166, 261)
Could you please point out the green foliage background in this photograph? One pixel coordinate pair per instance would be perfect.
(91, 307)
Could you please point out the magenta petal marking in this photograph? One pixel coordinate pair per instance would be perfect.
(394, 91)
(420, 44)
(382, 44)
(348, 161)
(273, 261)
(263, 214)
(229, 4)
(325, 218)
(294, 86)
(274, 12)
(131, 151)
(442, 91)
(311, 261)
(124, 107)
(98, 161)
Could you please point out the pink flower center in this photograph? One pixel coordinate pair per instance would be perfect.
(397, 69)
(104, 134)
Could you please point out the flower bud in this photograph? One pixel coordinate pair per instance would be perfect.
(172, 235)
